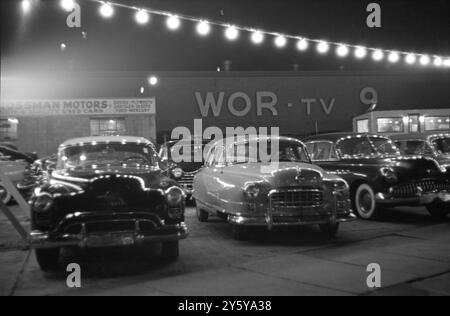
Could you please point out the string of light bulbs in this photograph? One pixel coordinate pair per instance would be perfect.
(232, 32)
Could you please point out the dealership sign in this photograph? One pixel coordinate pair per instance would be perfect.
(20, 108)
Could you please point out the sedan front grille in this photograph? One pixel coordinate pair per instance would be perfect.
(187, 180)
(413, 189)
(296, 199)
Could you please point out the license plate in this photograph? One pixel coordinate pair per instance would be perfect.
(110, 240)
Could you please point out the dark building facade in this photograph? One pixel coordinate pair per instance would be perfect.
(299, 103)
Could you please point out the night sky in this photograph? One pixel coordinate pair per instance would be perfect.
(32, 43)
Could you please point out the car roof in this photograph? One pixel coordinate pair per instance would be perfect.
(233, 140)
(186, 141)
(106, 139)
(334, 137)
(419, 136)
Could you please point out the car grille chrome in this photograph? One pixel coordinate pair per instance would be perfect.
(296, 199)
(187, 180)
(414, 189)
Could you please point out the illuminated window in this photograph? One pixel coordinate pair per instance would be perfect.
(362, 126)
(8, 129)
(414, 124)
(390, 125)
(108, 126)
(437, 123)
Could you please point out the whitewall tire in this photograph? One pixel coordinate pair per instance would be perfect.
(365, 202)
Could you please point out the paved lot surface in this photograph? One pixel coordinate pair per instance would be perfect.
(412, 250)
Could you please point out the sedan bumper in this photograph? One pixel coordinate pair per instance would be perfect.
(419, 200)
(41, 240)
(289, 221)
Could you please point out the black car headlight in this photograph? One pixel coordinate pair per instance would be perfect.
(177, 173)
(174, 196)
(341, 186)
(389, 174)
(43, 203)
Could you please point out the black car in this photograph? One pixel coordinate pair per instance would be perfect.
(106, 191)
(433, 145)
(379, 176)
(183, 159)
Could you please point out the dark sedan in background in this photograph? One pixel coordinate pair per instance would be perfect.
(379, 175)
(433, 145)
(182, 160)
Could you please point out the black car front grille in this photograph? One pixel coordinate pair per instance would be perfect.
(296, 199)
(108, 223)
(413, 189)
(187, 180)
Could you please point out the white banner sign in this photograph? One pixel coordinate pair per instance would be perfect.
(21, 108)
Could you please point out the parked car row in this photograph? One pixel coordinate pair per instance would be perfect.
(118, 191)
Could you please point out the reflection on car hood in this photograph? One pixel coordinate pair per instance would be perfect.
(82, 177)
(283, 174)
(407, 168)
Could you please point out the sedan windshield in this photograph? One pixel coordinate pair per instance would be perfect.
(367, 146)
(114, 154)
(442, 145)
(267, 152)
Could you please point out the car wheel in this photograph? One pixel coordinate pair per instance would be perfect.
(47, 258)
(239, 232)
(439, 210)
(330, 230)
(171, 250)
(5, 196)
(202, 215)
(365, 202)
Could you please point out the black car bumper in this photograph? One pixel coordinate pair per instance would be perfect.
(91, 230)
(43, 240)
(419, 200)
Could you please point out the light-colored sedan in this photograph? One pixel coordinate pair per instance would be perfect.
(240, 185)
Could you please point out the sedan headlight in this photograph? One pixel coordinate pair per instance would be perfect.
(177, 173)
(341, 186)
(174, 196)
(388, 174)
(444, 168)
(43, 203)
(252, 190)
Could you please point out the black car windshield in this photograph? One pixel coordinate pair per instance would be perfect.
(367, 146)
(442, 145)
(114, 154)
(261, 152)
